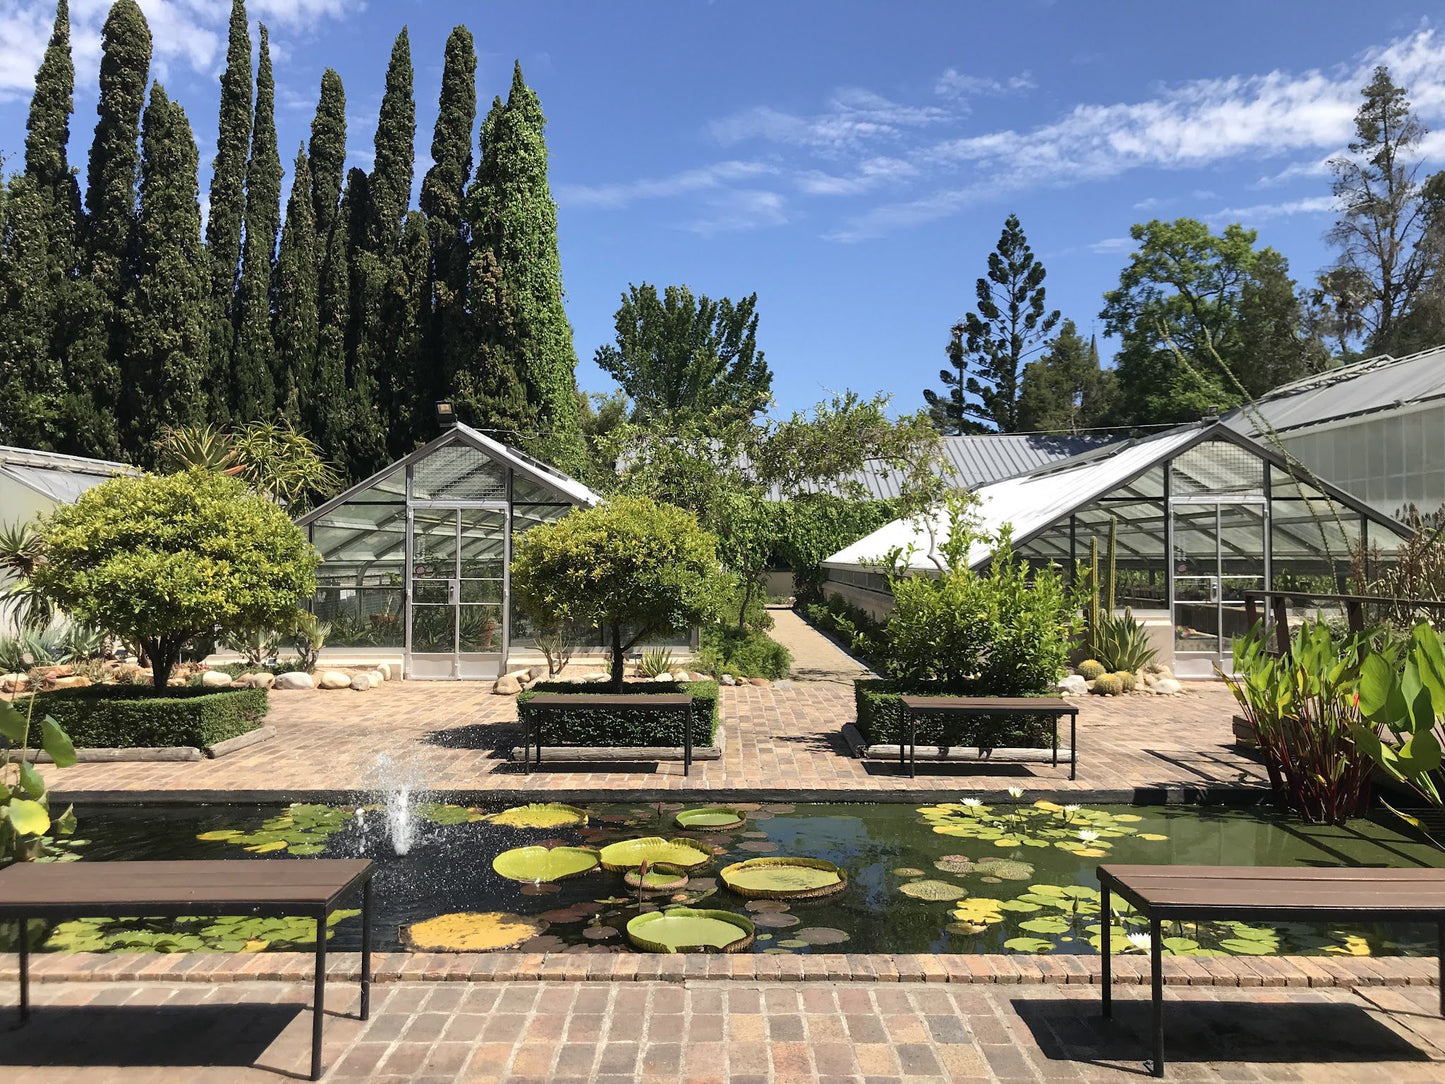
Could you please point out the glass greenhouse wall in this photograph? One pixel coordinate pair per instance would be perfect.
(415, 559)
(1199, 516)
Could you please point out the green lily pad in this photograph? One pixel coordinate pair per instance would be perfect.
(1006, 869)
(1045, 925)
(710, 819)
(683, 929)
(953, 863)
(545, 864)
(784, 878)
(1028, 944)
(929, 889)
(686, 854)
(444, 814)
(659, 878)
(540, 815)
(908, 871)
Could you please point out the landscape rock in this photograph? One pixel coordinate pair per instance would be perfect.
(784, 684)
(295, 680)
(361, 683)
(728, 679)
(333, 679)
(507, 685)
(257, 681)
(216, 679)
(1166, 687)
(537, 673)
(376, 677)
(14, 683)
(1073, 685)
(76, 682)
(761, 683)
(664, 676)
(384, 669)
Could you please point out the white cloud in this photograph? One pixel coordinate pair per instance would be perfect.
(732, 211)
(870, 174)
(955, 84)
(1260, 212)
(1112, 244)
(676, 184)
(852, 117)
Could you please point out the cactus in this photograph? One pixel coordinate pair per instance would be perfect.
(1127, 680)
(1090, 669)
(1093, 617)
(1108, 685)
(1112, 586)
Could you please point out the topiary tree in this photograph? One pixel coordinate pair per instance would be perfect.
(632, 567)
(163, 559)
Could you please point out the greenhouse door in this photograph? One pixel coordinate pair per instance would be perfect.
(1220, 551)
(456, 591)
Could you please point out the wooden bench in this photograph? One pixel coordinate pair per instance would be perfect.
(277, 888)
(1266, 894)
(611, 701)
(974, 706)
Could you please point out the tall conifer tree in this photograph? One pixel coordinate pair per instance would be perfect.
(327, 157)
(227, 207)
(47, 131)
(363, 449)
(389, 186)
(253, 372)
(93, 376)
(513, 216)
(163, 315)
(296, 288)
(324, 406)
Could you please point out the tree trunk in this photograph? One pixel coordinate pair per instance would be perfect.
(615, 685)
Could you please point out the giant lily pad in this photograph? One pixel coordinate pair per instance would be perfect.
(929, 889)
(541, 815)
(683, 929)
(471, 931)
(784, 878)
(631, 853)
(710, 819)
(300, 829)
(659, 878)
(545, 864)
(445, 814)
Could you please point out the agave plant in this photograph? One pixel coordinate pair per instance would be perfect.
(310, 634)
(270, 458)
(255, 646)
(1122, 644)
(656, 661)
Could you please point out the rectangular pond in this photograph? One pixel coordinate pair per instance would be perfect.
(958, 877)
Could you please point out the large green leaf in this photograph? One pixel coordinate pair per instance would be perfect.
(57, 743)
(30, 780)
(12, 723)
(28, 818)
(1377, 679)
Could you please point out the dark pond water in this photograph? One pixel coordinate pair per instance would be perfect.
(948, 878)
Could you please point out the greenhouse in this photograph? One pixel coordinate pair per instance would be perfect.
(1198, 515)
(415, 559)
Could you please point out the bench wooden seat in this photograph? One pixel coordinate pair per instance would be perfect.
(975, 706)
(1264, 894)
(271, 888)
(611, 701)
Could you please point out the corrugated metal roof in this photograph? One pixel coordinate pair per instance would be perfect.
(61, 478)
(1030, 502)
(1362, 387)
(977, 459)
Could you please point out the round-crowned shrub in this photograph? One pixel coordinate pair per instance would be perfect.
(1107, 685)
(1127, 680)
(1090, 669)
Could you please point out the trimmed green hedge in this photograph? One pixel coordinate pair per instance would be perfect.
(881, 721)
(138, 716)
(618, 728)
(748, 653)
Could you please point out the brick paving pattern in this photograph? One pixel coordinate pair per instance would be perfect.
(709, 1031)
(779, 739)
(815, 657)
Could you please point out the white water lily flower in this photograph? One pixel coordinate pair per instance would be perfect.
(971, 803)
(1088, 836)
(1139, 940)
(1016, 792)
(1072, 808)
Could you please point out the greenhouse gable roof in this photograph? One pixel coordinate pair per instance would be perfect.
(1033, 502)
(60, 478)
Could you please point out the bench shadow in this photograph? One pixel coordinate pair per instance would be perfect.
(960, 769)
(488, 737)
(584, 767)
(1196, 1031)
(91, 1036)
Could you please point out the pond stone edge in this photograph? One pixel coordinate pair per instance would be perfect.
(1129, 970)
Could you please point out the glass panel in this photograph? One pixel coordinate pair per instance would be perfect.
(1217, 466)
(1194, 588)
(458, 472)
(481, 628)
(433, 629)
(481, 590)
(432, 592)
(433, 543)
(361, 617)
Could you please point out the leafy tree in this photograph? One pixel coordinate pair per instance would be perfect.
(512, 214)
(297, 291)
(990, 347)
(93, 379)
(363, 436)
(163, 315)
(1211, 297)
(327, 156)
(682, 355)
(1383, 218)
(1064, 390)
(631, 567)
(600, 415)
(163, 559)
(253, 371)
(1423, 324)
(227, 207)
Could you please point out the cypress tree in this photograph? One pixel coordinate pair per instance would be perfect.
(324, 407)
(253, 372)
(93, 376)
(32, 381)
(406, 397)
(327, 156)
(364, 444)
(47, 131)
(389, 186)
(227, 207)
(443, 193)
(163, 314)
(512, 213)
(296, 287)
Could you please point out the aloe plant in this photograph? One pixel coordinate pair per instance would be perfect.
(1122, 644)
(26, 823)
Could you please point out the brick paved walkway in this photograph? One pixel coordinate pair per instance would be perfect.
(778, 739)
(698, 1031)
(815, 657)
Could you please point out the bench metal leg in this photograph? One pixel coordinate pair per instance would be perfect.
(318, 1008)
(1156, 978)
(1056, 741)
(366, 951)
(1073, 746)
(24, 950)
(687, 743)
(1106, 938)
(912, 748)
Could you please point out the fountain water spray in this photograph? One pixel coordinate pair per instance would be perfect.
(398, 784)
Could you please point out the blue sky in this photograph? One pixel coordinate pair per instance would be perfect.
(851, 162)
